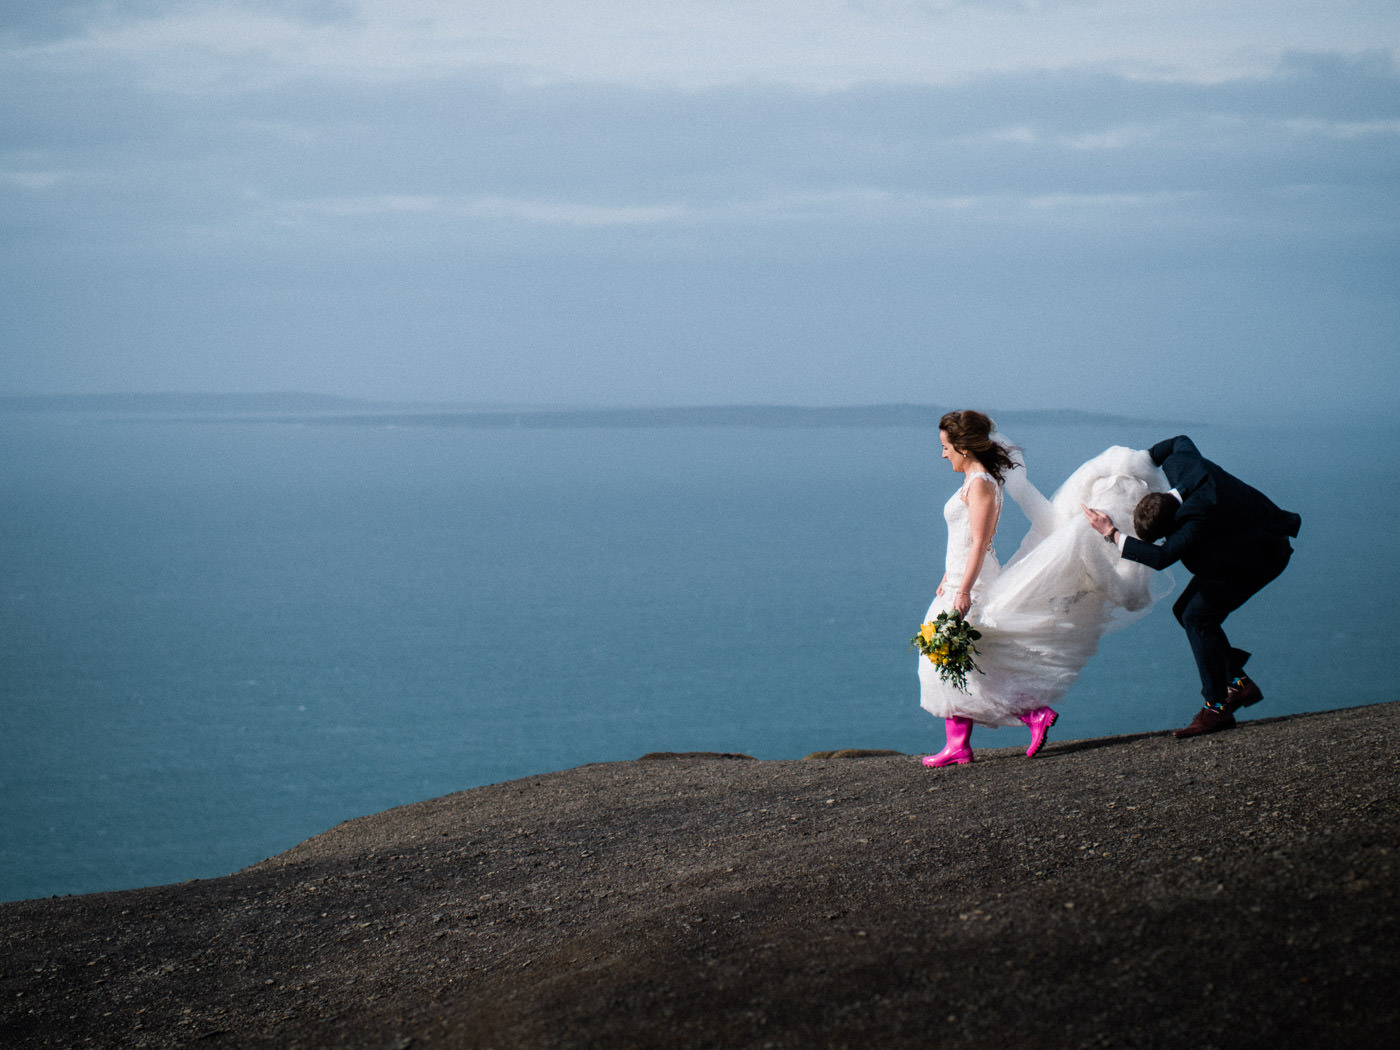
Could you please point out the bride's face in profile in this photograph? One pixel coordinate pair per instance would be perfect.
(955, 459)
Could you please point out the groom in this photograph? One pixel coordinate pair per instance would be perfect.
(1233, 539)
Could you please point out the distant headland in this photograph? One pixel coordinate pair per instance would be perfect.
(322, 409)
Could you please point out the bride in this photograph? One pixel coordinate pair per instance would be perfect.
(1041, 615)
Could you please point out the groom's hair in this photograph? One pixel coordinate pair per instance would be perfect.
(1153, 516)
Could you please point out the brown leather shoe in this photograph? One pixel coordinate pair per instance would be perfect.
(1241, 693)
(1207, 720)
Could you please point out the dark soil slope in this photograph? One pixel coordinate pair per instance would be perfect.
(1237, 890)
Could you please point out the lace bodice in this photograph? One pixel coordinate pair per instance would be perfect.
(958, 515)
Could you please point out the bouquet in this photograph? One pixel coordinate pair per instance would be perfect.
(947, 640)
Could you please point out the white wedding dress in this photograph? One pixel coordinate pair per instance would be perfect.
(1043, 613)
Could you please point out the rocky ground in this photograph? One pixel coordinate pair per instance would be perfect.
(1237, 890)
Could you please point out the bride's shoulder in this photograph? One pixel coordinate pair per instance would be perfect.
(984, 480)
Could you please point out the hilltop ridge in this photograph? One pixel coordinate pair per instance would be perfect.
(1236, 890)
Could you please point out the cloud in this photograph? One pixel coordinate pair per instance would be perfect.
(1000, 150)
(573, 214)
(488, 209)
(221, 45)
(1111, 138)
(1346, 130)
(34, 180)
(831, 188)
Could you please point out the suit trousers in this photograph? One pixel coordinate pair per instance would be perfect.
(1259, 557)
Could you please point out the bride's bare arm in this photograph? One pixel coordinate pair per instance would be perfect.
(982, 522)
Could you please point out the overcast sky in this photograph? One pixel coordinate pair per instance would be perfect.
(1186, 206)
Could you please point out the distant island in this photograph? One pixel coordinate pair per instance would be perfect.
(186, 404)
(321, 409)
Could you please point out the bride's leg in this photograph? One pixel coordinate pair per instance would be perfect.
(1038, 722)
(958, 751)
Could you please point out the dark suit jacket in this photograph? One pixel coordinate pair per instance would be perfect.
(1222, 523)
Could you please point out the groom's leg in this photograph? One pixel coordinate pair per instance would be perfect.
(1205, 603)
(1238, 658)
(1201, 611)
(1261, 560)
(1269, 557)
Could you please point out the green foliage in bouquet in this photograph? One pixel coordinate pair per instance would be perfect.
(947, 640)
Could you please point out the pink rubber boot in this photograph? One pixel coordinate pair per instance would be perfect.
(1039, 722)
(959, 750)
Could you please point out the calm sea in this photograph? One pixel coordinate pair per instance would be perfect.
(220, 637)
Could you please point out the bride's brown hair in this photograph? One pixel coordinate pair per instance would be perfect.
(971, 434)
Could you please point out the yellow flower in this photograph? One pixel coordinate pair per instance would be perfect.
(947, 641)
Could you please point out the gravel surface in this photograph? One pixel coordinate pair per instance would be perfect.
(1236, 890)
